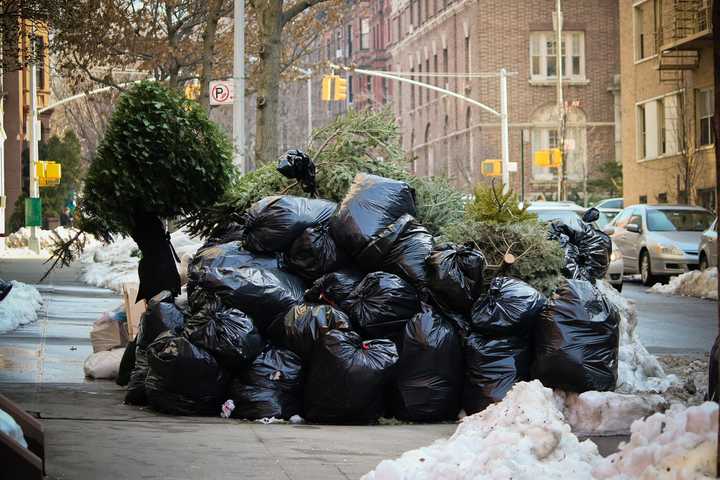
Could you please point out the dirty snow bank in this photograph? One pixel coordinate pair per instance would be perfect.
(522, 437)
(696, 283)
(638, 370)
(20, 238)
(111, 265)
(679, 445)
(19, 307)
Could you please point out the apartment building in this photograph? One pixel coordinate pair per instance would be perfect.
(470, 39)
(16, 86)
(667, 101)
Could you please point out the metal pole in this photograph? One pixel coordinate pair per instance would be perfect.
(309, 107)
(504, 133)
(239, 86)
(32, 132)
(560, 100)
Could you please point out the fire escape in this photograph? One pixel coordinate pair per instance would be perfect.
(684, 28)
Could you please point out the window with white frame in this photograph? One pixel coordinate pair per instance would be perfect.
(705, 107)
(543, 56)
(364, 34)
(658, 127)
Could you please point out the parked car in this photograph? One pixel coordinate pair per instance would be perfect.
(571, 214)
(657, 241)
(610, 207)
(708, 247)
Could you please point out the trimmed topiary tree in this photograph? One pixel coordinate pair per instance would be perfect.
(161, 157)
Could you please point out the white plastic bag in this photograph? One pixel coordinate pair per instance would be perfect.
(103, 364)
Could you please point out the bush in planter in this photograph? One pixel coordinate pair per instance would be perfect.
(161, 157)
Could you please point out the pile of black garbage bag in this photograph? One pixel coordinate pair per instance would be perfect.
(346, 313)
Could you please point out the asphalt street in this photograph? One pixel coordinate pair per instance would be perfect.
(673, 324)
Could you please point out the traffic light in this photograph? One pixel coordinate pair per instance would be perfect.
(491, 168)
(326, 87)
(340, 89)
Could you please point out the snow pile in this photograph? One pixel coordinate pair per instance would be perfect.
(606, 413)
(638, 370)
(111, 265)
(19, 307)
(522, 437)
(696, 283)
(47, 238)
(679, 445)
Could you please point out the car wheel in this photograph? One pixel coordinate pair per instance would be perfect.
(703, 261)
(646, 275)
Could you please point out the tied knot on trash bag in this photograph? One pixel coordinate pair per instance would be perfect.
(296, 164)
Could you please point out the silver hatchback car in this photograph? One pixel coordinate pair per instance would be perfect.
(658, 241)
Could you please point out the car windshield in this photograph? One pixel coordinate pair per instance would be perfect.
(678, 220)
(568, 217)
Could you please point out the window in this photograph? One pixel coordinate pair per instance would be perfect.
(644, 30)
(349, 41)
(412, 89)
(40, 61)
(543, 56)
(658, 126)
(704, 105)
(364, 34)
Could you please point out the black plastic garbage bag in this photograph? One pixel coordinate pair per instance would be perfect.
(492, 367)
(264, 294)
(348, 377)
(161, 315)
(273, 223)
(306, 323)
(127, 363)
(135, 393)
(713, 393)
(227, 333)
(406, 256)
(296, 164)
(371, 204)
(5, 288)
(430, 370)
(314, 253)
(225, 255)
(576, 340)
(184, 379)
(455, 276)
(508, 308)
(381, 305)
(334, 288)
(271, 387)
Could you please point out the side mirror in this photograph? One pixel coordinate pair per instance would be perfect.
(631, 227)
(609, 230)
(591, 215)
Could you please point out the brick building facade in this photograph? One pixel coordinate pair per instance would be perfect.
(451, 137)
(667, 102)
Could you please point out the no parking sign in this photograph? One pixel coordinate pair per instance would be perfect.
(221, 92)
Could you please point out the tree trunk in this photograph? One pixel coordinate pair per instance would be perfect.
(270, 18)
(157, 269)
(213, 17)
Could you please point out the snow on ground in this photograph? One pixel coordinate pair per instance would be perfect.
(524, 437)
(696, 283)
(111, 265)
(678, 445)
(638, 370)
(19, 307)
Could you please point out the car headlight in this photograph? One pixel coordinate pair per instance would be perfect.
(668, 250)
(616, 255)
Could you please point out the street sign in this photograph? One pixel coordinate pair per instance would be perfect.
(221, 93)
(33, 212)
